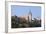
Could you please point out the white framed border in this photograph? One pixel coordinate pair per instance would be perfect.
(8, 15)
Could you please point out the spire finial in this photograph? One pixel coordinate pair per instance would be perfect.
(30, 12)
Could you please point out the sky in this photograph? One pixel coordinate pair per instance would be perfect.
(22, 10)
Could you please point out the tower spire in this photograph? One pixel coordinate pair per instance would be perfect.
(30, 12)
(29, 16)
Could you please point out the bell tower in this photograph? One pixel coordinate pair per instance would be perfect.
(29, 16)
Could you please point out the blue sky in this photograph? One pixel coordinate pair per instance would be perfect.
(21, 10)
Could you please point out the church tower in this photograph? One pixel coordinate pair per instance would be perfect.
(29, 16)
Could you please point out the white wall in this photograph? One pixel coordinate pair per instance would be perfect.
(45, 15)
(2, 17)
(28, 0)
